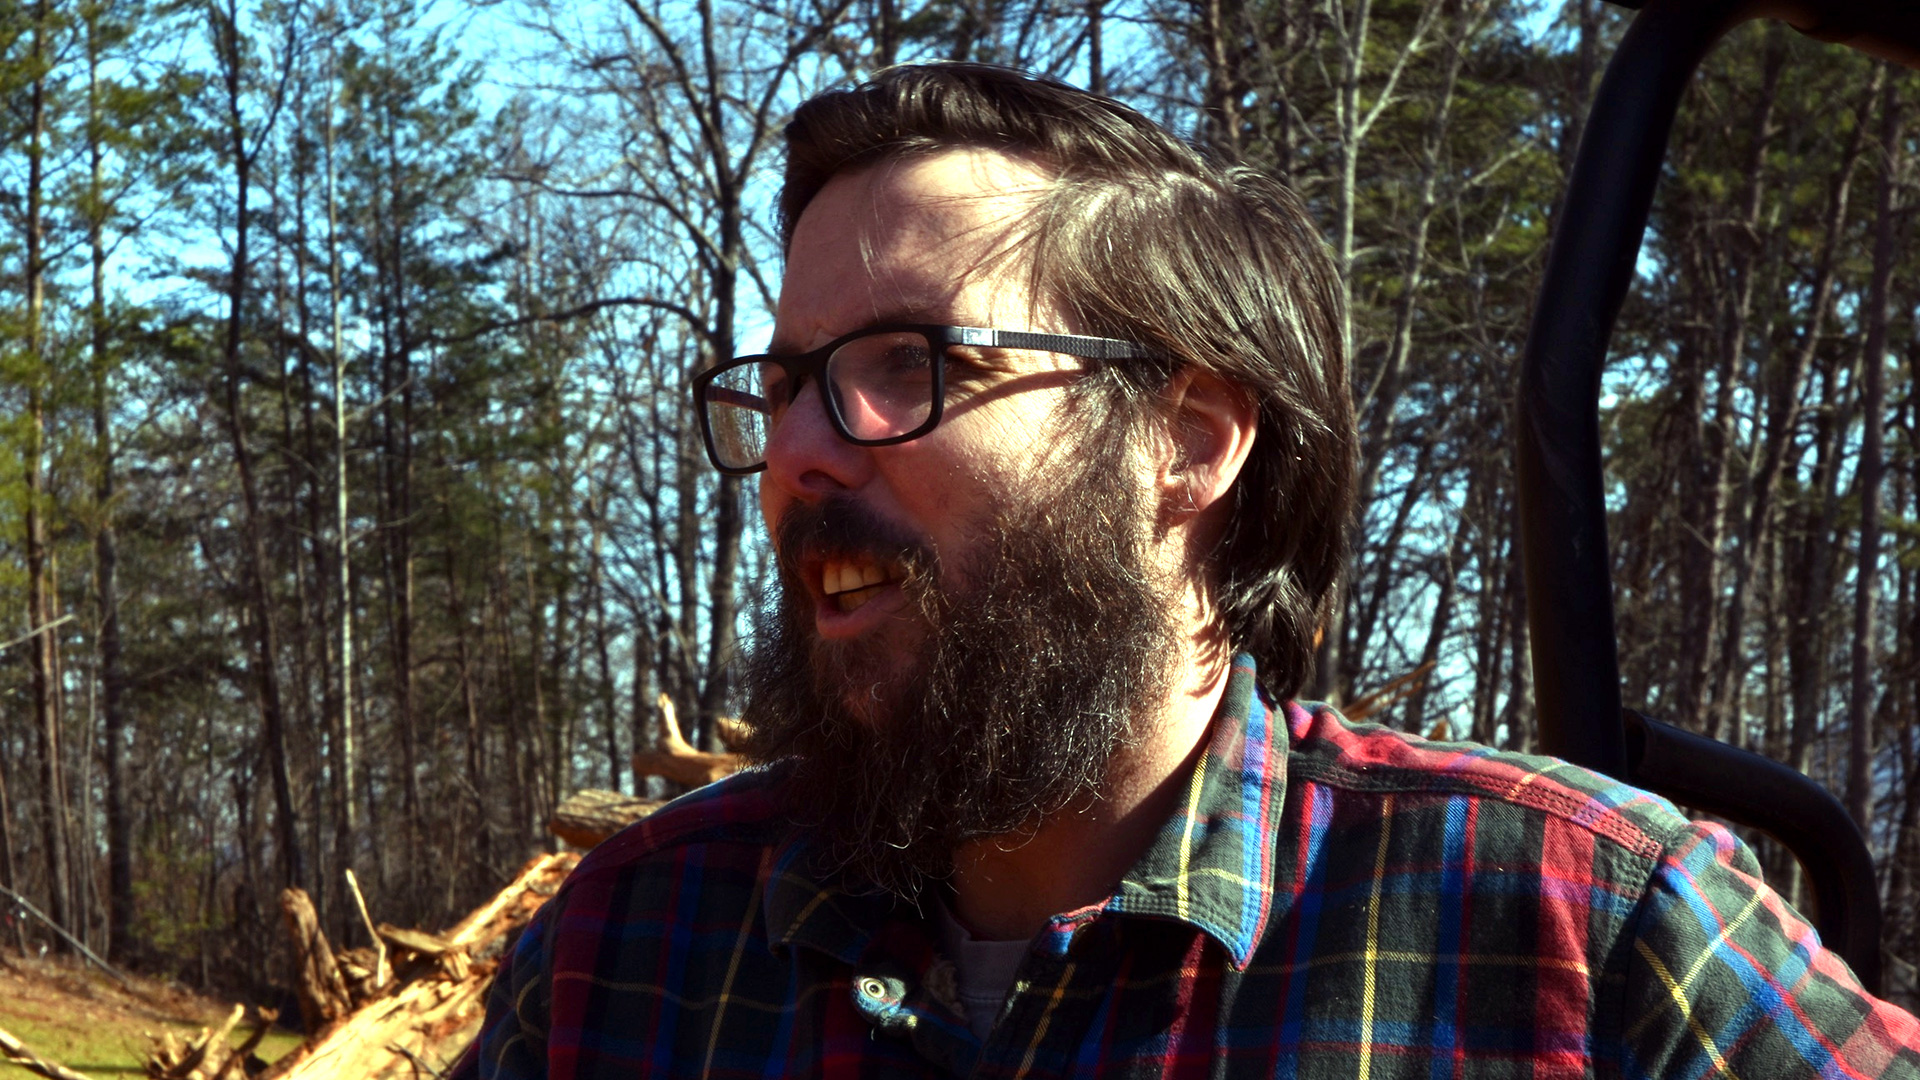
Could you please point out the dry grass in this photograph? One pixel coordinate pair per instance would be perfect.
(88, 1022)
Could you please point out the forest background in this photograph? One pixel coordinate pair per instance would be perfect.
(352, 514)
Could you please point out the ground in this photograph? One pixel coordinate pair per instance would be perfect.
(86, 1021)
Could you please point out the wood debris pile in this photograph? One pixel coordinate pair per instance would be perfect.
(209, 1056)
(409, 1006)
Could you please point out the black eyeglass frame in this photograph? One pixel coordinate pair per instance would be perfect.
(813, 364)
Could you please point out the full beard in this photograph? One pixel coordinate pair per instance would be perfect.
(1011, 706)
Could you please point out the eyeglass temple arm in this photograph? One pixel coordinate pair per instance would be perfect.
(1087, 348)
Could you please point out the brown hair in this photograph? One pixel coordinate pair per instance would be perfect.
(1144, 238)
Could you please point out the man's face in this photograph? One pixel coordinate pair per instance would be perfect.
(968, 626)
(926, 240)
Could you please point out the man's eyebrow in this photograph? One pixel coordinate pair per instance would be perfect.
(911, 313)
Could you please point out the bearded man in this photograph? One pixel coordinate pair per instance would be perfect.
(1055, 448)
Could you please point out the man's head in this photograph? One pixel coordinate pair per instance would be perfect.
(975, 622)
(1135, 235)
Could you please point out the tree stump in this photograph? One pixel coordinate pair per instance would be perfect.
(317, 981)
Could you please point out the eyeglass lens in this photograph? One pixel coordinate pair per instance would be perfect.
(881, 387)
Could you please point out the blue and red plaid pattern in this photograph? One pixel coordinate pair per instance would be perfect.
(1332, 900)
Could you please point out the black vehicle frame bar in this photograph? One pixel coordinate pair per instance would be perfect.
(1563, 523)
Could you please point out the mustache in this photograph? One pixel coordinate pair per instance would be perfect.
(840, 525)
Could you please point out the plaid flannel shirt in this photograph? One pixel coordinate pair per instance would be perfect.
(1332, 900)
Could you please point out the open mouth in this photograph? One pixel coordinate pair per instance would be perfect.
(849, 583)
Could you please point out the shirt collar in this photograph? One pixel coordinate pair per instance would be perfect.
(1211, 865)
(805, 907)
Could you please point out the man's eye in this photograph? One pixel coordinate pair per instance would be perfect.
(904, 359)
(965, 364)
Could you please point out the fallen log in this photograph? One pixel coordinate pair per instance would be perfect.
(419, 1027)
(587, 817)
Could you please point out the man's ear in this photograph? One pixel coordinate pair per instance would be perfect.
(1212, 428)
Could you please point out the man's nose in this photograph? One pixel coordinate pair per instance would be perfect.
(806, 457)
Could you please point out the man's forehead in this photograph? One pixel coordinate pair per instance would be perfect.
(912, 232)
(956, 190)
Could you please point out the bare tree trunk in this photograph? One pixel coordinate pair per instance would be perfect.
(40, 601)
(1379, 564)
(546, 770)
(318, 984)
(1872, 466)
(1354, 117)
(1517, 715)
(602, 655)
(346, 823)
(681, 674)
(499, 606)
(289, 310)
(1490, 632)
(266, 647)
(727, 518)
(106, 543)
(470, 702)
(886, 34)
(1808, 631)
(1783, 413)
(1723, 260)
(1221, 32)
(1380, 404)
(1586, 67)
(74, 776)
(9, 874)
(307, 486)
(401, 524)
(1096, 61)
(1443, 603)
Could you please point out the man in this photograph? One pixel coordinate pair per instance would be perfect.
(1057, 455)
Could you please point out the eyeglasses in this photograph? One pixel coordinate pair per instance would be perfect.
(882, 385)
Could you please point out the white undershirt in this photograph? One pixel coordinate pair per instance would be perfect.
(983, 970)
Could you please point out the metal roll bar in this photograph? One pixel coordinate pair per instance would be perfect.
(1563, 513)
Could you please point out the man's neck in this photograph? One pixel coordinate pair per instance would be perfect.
(1006, 888)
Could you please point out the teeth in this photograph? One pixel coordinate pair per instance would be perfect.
(838, 578)
(852, 601)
